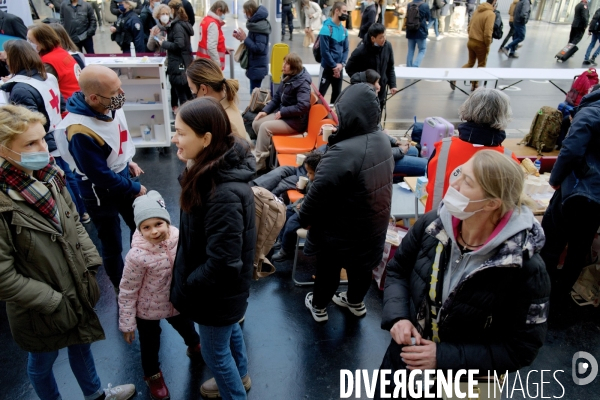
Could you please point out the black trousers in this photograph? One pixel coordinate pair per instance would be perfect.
(287, 18)
(149, 335)
(576, 35)
(573, 223)
(329, 266)
(511, 32)
(327, 80)
(180, 94)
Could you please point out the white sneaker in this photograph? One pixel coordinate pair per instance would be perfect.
(319, 314)
(439, 38)
(427, 40)
(341, 299)
(121, 392)
(311, 45)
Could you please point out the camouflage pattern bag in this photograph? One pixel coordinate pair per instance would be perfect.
(544, 130)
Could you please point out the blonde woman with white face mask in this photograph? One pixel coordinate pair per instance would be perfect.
(467, 288)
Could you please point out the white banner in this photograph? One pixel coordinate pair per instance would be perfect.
(20, 8)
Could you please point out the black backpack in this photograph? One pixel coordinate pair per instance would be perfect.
(498, 25)
(413, 17)
(317, 45)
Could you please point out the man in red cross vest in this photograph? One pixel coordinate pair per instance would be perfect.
(101, 148)
(212, 41)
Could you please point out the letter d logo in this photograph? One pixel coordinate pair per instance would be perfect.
(583, 367)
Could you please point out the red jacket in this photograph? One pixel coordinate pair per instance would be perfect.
(203, 44)
(67, 69)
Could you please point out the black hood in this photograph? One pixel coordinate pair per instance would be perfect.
(589, 98)
(238, 164)
(358, 111)
(482, 134)
(189, 29)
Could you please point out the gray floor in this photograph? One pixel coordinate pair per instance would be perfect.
(290, 356)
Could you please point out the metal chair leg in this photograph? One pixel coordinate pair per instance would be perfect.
(296, 282)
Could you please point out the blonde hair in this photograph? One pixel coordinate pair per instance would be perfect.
(500, 177)
(15, 120)
(203, 71)
(159, 8)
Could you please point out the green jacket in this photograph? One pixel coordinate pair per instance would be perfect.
(47, 279)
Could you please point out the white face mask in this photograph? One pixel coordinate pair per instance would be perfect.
(164, 19)
(456, 202)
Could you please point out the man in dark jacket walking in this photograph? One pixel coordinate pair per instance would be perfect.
(417, 37)
(376, 53)
(580, 22)
(347, 208)
(79, 21)
(520, 19)
(573, 215)
(368, 18)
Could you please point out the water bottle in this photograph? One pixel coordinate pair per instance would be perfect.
(424, 152)
(537, 164)
(132, 49)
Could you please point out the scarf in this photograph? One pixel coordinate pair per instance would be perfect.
(12, 178)
(262, 26)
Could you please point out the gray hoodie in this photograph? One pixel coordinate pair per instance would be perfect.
(504, 250)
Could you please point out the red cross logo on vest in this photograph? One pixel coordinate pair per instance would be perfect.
(54, 100)
(123, 137)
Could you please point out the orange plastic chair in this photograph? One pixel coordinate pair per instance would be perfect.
(291, 145)
(320, 142)
(286, 160)
(294, 195)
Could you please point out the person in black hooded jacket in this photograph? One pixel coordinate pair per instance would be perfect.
(487, 307)
(347, 208)
(375, 53)
(217, 235)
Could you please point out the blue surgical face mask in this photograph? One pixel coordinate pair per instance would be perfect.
(222, 17)
(33, 161)
(121, 8)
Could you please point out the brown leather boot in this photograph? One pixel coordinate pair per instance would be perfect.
(158, 388)
(474, 86)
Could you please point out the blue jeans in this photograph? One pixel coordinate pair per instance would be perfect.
(518, 37)
(287, 236)
(72, 185)
(434, 22)
(411, 52)
(39, 369)
(595, 38)
(411, 164)
(224, 351)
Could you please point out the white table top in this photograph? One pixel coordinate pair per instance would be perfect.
(449, 74)
(125, 61)
(553, 74)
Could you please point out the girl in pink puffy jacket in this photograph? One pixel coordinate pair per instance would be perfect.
(145, 287)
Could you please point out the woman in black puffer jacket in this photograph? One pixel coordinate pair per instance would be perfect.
(287, 112)
(214, 262)
(178, 47)
(488, 307)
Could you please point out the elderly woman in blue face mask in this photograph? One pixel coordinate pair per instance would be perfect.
(467, 285)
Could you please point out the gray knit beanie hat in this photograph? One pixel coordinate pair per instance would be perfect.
(150, 205)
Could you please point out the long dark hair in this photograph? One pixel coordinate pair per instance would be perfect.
(21, 56)
(204, 115)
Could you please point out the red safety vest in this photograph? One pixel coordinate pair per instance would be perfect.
(444, 163)
(202, 47)
(67, 69)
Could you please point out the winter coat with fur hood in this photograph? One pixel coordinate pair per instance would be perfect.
(146, 283)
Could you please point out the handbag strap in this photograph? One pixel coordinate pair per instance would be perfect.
(433, 291)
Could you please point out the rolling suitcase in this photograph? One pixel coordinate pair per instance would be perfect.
(434, 130)
(566, 52)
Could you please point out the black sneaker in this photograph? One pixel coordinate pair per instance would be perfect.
(593, 61)
(277, 246)
(513, 55)
(319, 314)
(587, 62)
(341, 299)
(281, 255)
